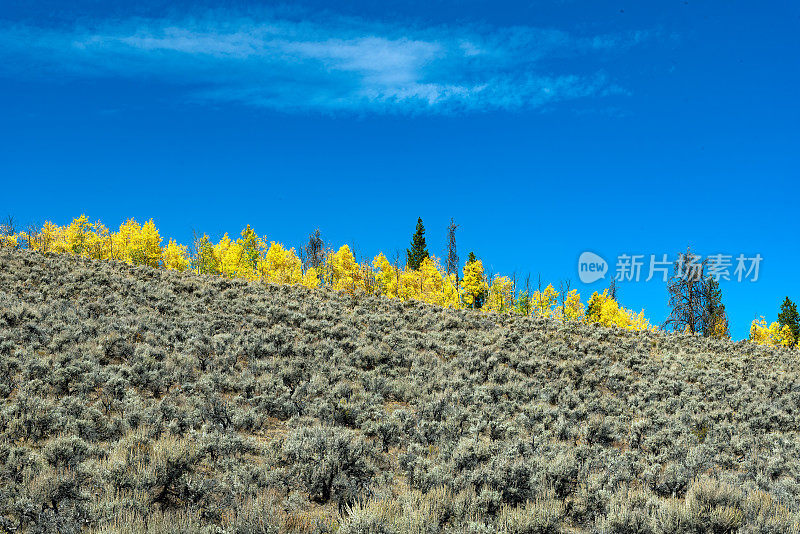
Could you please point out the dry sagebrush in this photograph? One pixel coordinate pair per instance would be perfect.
(138, 400)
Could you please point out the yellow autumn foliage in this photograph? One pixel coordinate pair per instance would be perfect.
(604, 310)
(345, 274)
(175, 257)
(229, 255)
(542, 302)
(387, 276)
(280, 266)
(137, 244)
(572, 309)
(430, 283)
(473, 283)
(500, 296)
(11, 241)
(251, 258)
(204, 261)
(310, 278)
(773, 334)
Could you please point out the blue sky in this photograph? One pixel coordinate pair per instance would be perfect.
(544, 128)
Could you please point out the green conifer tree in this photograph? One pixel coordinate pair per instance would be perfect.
(789, 317)
(418, 251)
(716, 322)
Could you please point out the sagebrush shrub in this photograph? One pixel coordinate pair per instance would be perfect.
(329, 462)
(137, 400)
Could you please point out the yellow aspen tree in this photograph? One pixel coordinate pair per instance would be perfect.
(612, 315)
(638, 321)
(47, 237)
(58, 243)
(773, 334)
(56, 240)
(759, 332)
(345, 272)
(473, 283)
(74, 235)
(80, 237)
(231, 258)
(310, 278)
(409, 287)
(204, 261)
(450, 292)
(573, 309)
(500, 297)
(427, 280)
(252, 247)
(175, 257)
(10, 241)
(781, 335)
(542, 302)
(719, 329)
(432, 284)
(280, 266)
(98, 242)
(137, 244)
(122, 241)
(598, 309)
(448, 296)
(386, 276)
(604, 310)
(220, 250)
(147, 245)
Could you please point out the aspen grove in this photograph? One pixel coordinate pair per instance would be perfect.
(254, 258)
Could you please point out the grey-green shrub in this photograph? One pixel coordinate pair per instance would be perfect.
(136, 400)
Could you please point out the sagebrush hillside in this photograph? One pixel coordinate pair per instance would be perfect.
(140, 400)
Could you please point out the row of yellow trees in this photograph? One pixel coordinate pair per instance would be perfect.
(252, 257)
(774, 334)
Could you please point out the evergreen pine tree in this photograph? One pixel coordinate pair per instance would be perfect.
(592, 307)
(716, 323)
(452, 252)
(789, 317)
(418, 251)
(314, 251)
(612, 290)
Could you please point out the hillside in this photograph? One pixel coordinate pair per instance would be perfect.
(142, 400)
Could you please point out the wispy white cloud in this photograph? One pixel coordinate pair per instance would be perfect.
(335, 64)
